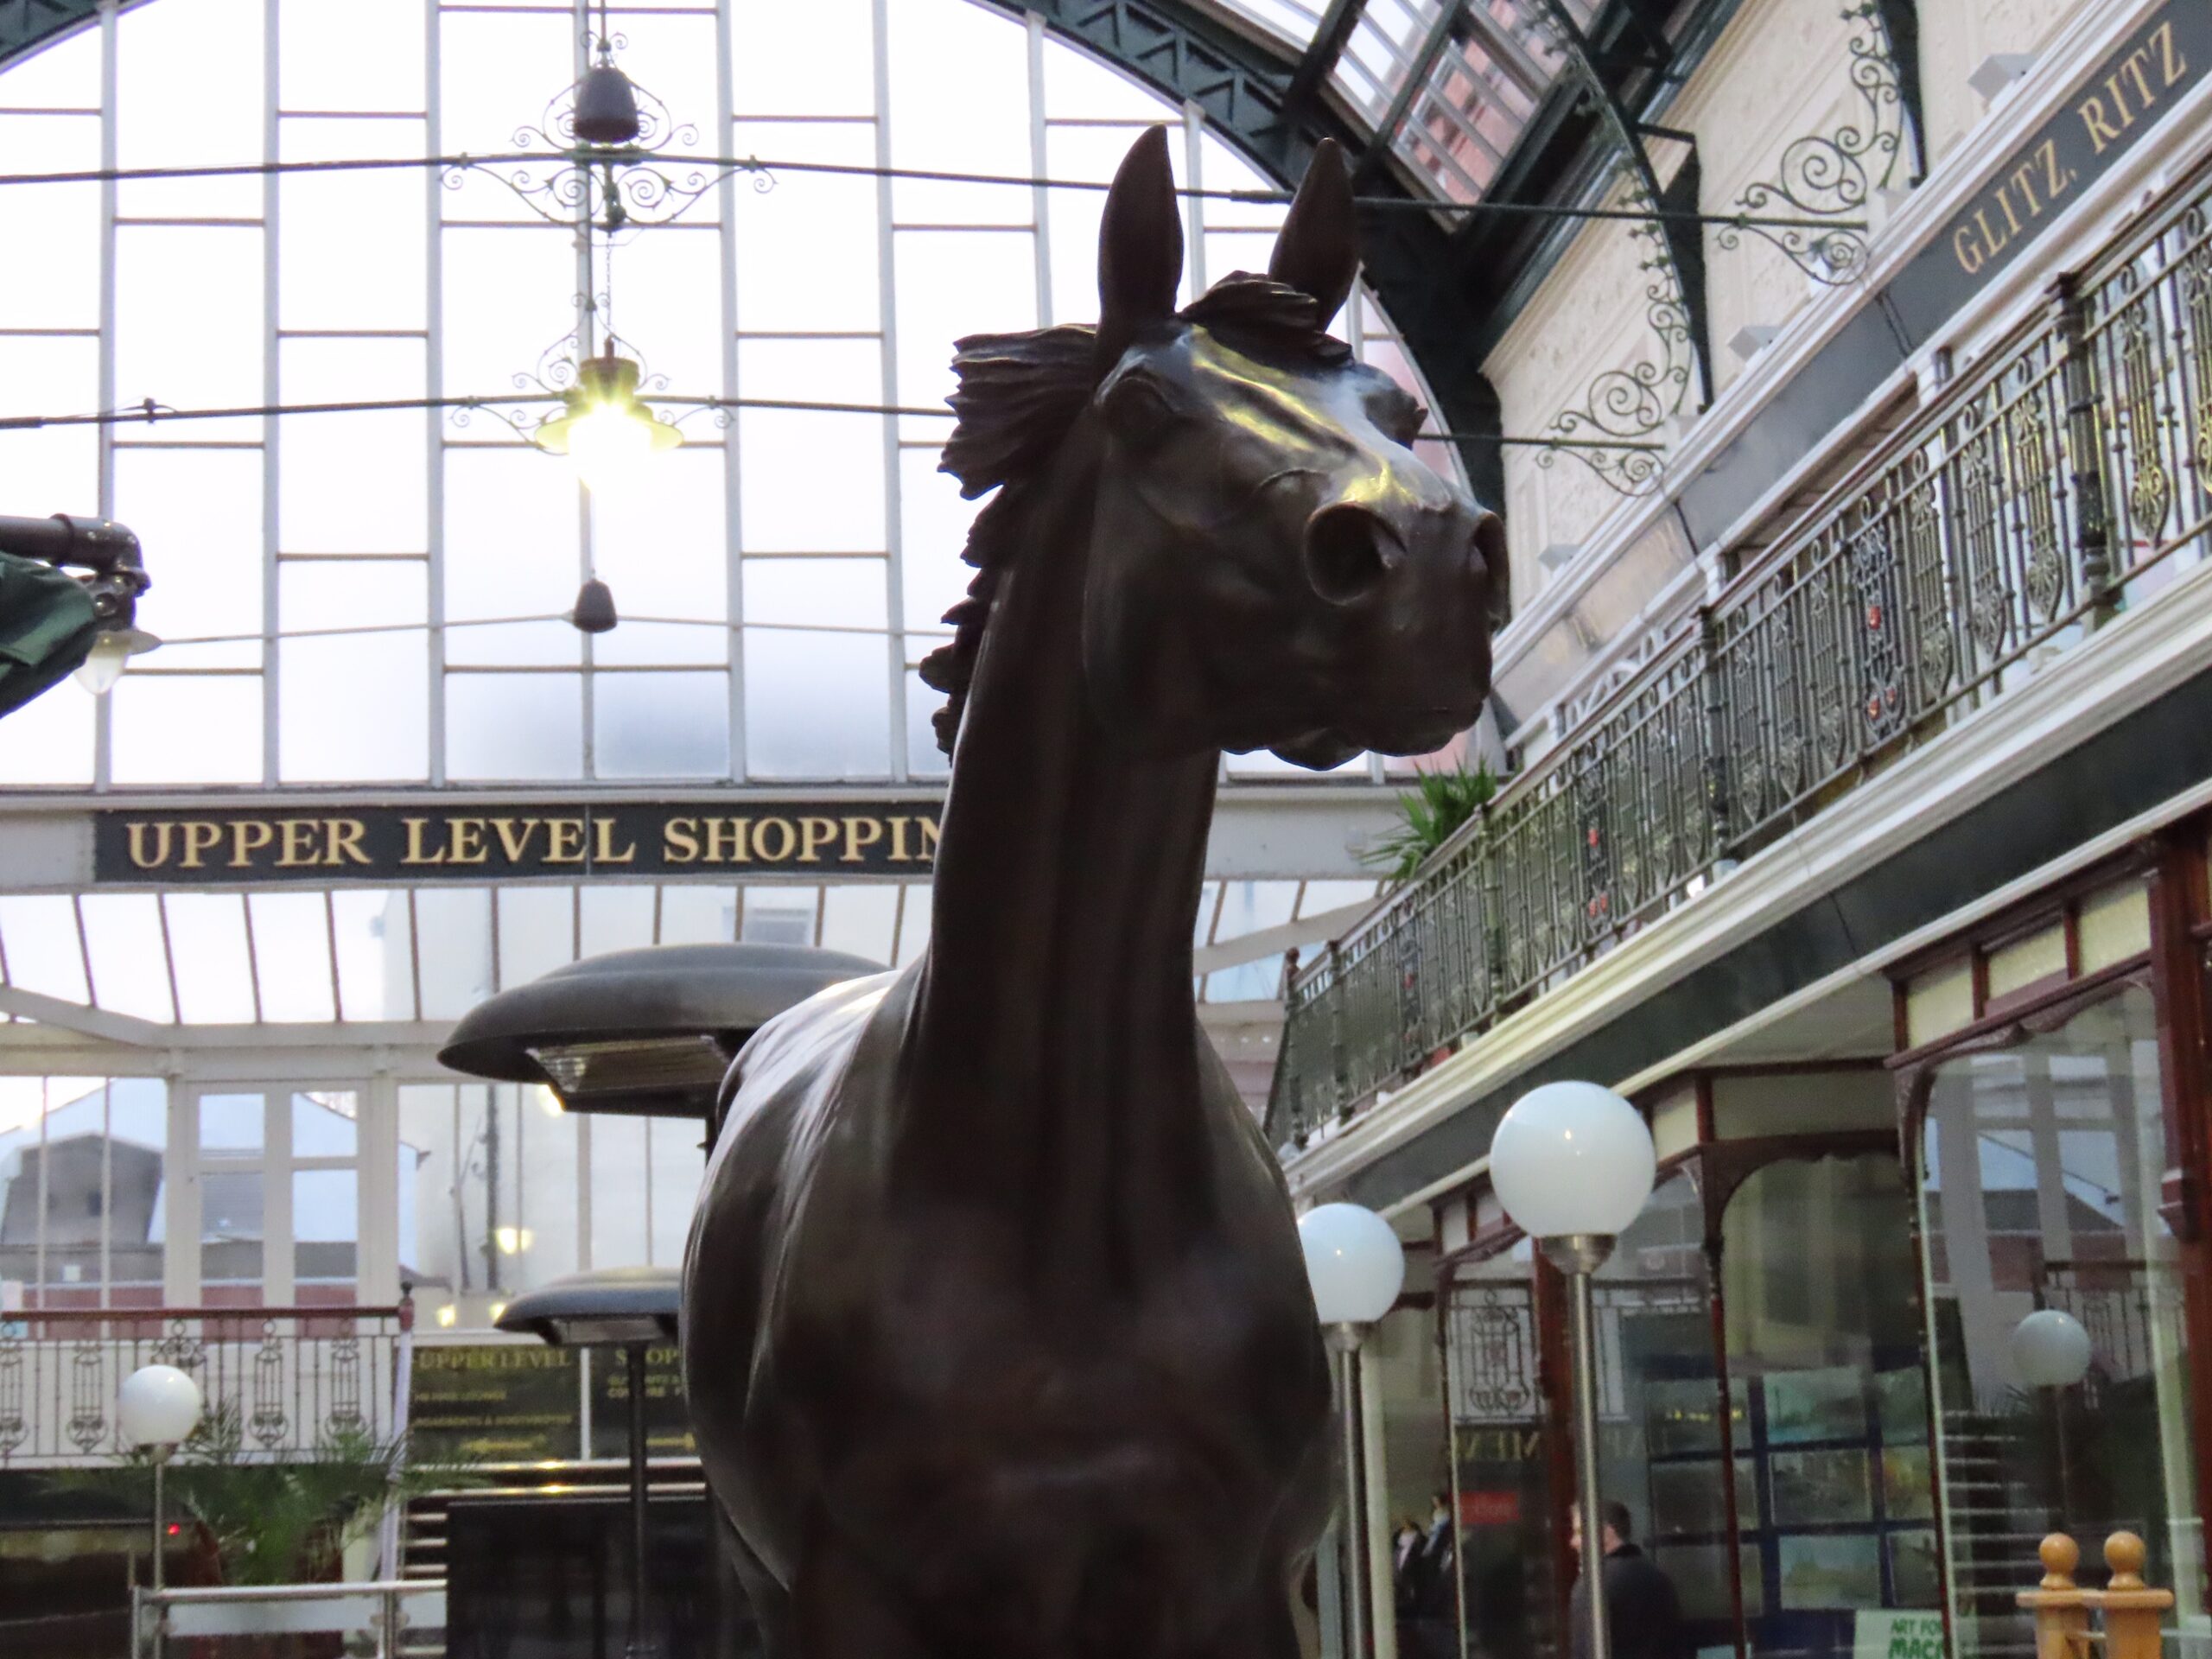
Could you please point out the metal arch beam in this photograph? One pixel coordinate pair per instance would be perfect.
(26, 25)
(1682, 243)
(1330, 39)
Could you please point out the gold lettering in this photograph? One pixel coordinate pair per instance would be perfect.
(1967, 252)
(2055, 176)
(814, 834)
(344, 841)
(2133, 70)
(514, 836)
(199, 836)
(732, 831)
(2023, 178)
(1989, 239)
(860, 833)
(786, 836)
(2100, 128)
(2119, 98)
(249, 837)
(299, 848)
(564, 841)
(416, 854)
(679, 841)
(603, 851)
(160, 845)
(2171, 62)
(465, 840)
(928, 838)
(2005, 201)
(899, 853)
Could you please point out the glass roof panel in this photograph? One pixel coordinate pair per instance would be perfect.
(463, 548)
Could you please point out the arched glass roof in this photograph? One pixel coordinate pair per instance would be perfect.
(375, 598)
(1454, 81)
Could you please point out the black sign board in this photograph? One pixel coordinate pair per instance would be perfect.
(2111, 108)
(495, 1402)
(2106, 115)
(668, 1420)
(828, 840)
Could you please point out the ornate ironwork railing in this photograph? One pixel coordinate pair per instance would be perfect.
(2064, 478)
(290, 1376)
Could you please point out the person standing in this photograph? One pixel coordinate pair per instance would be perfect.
(1642, 1614)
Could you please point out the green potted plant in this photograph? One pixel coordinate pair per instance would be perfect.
(1430, 814)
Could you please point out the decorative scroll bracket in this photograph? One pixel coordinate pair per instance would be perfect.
(1834, 175)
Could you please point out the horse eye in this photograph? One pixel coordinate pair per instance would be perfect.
(1137, 410)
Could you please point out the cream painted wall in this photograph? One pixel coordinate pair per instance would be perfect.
(1956, 37)
(1588, 318)
(1779, 71)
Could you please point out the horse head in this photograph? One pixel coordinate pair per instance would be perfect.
(1270, 565)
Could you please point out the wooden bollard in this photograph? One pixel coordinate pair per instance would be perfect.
(2132, 1609)
(2060, 1607)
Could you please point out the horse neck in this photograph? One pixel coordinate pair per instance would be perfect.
(1055, 1051)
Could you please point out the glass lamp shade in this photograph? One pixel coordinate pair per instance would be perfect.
(1353, 1261)
(2050, 1350)
(605, 431)
(1571, 1158)
(157, 1405)
(111, 654)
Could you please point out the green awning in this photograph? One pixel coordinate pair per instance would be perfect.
(47, 627)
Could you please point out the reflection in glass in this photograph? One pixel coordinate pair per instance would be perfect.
(2042, 1167)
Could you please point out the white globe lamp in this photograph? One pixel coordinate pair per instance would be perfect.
(1356, 1267)
(157, 1405)
(2050, 1350)
(1573, 1165)
(1353, 1261)
(157, 1408)
(1571, 1159)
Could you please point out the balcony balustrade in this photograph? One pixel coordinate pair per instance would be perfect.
(287, 1379)
(2062, 479)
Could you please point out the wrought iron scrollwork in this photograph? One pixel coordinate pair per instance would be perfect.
(616, 189)
(1833, 176)
(1625, 406)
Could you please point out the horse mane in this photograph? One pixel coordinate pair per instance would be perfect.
(1017, 398)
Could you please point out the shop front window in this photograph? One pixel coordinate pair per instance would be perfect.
(1501, 1449)
(2041, 1170)
(1830, 1419)
(1659, 1404)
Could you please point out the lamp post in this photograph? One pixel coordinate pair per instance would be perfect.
(1356, 1267)
(2052, 1353)
(1573, 1164)
(157, 1409)
(627, 1308)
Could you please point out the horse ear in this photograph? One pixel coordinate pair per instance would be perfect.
(1317, 251)
(1139, 246)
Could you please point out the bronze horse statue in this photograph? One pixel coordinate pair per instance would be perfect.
(996, 1327)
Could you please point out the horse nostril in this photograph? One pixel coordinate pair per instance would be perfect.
(1349, 552)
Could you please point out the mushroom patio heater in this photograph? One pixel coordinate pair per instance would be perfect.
(1357, 1266)
(647, 1033)
(629, 1308)
(1573, 1165)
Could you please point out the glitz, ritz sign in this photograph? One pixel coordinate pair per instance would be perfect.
(826, 839)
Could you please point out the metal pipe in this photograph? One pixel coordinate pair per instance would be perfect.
(153, 1570)
(1579, 1256)
(1345, 1341)
(336, 1590)
(637, 1647)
